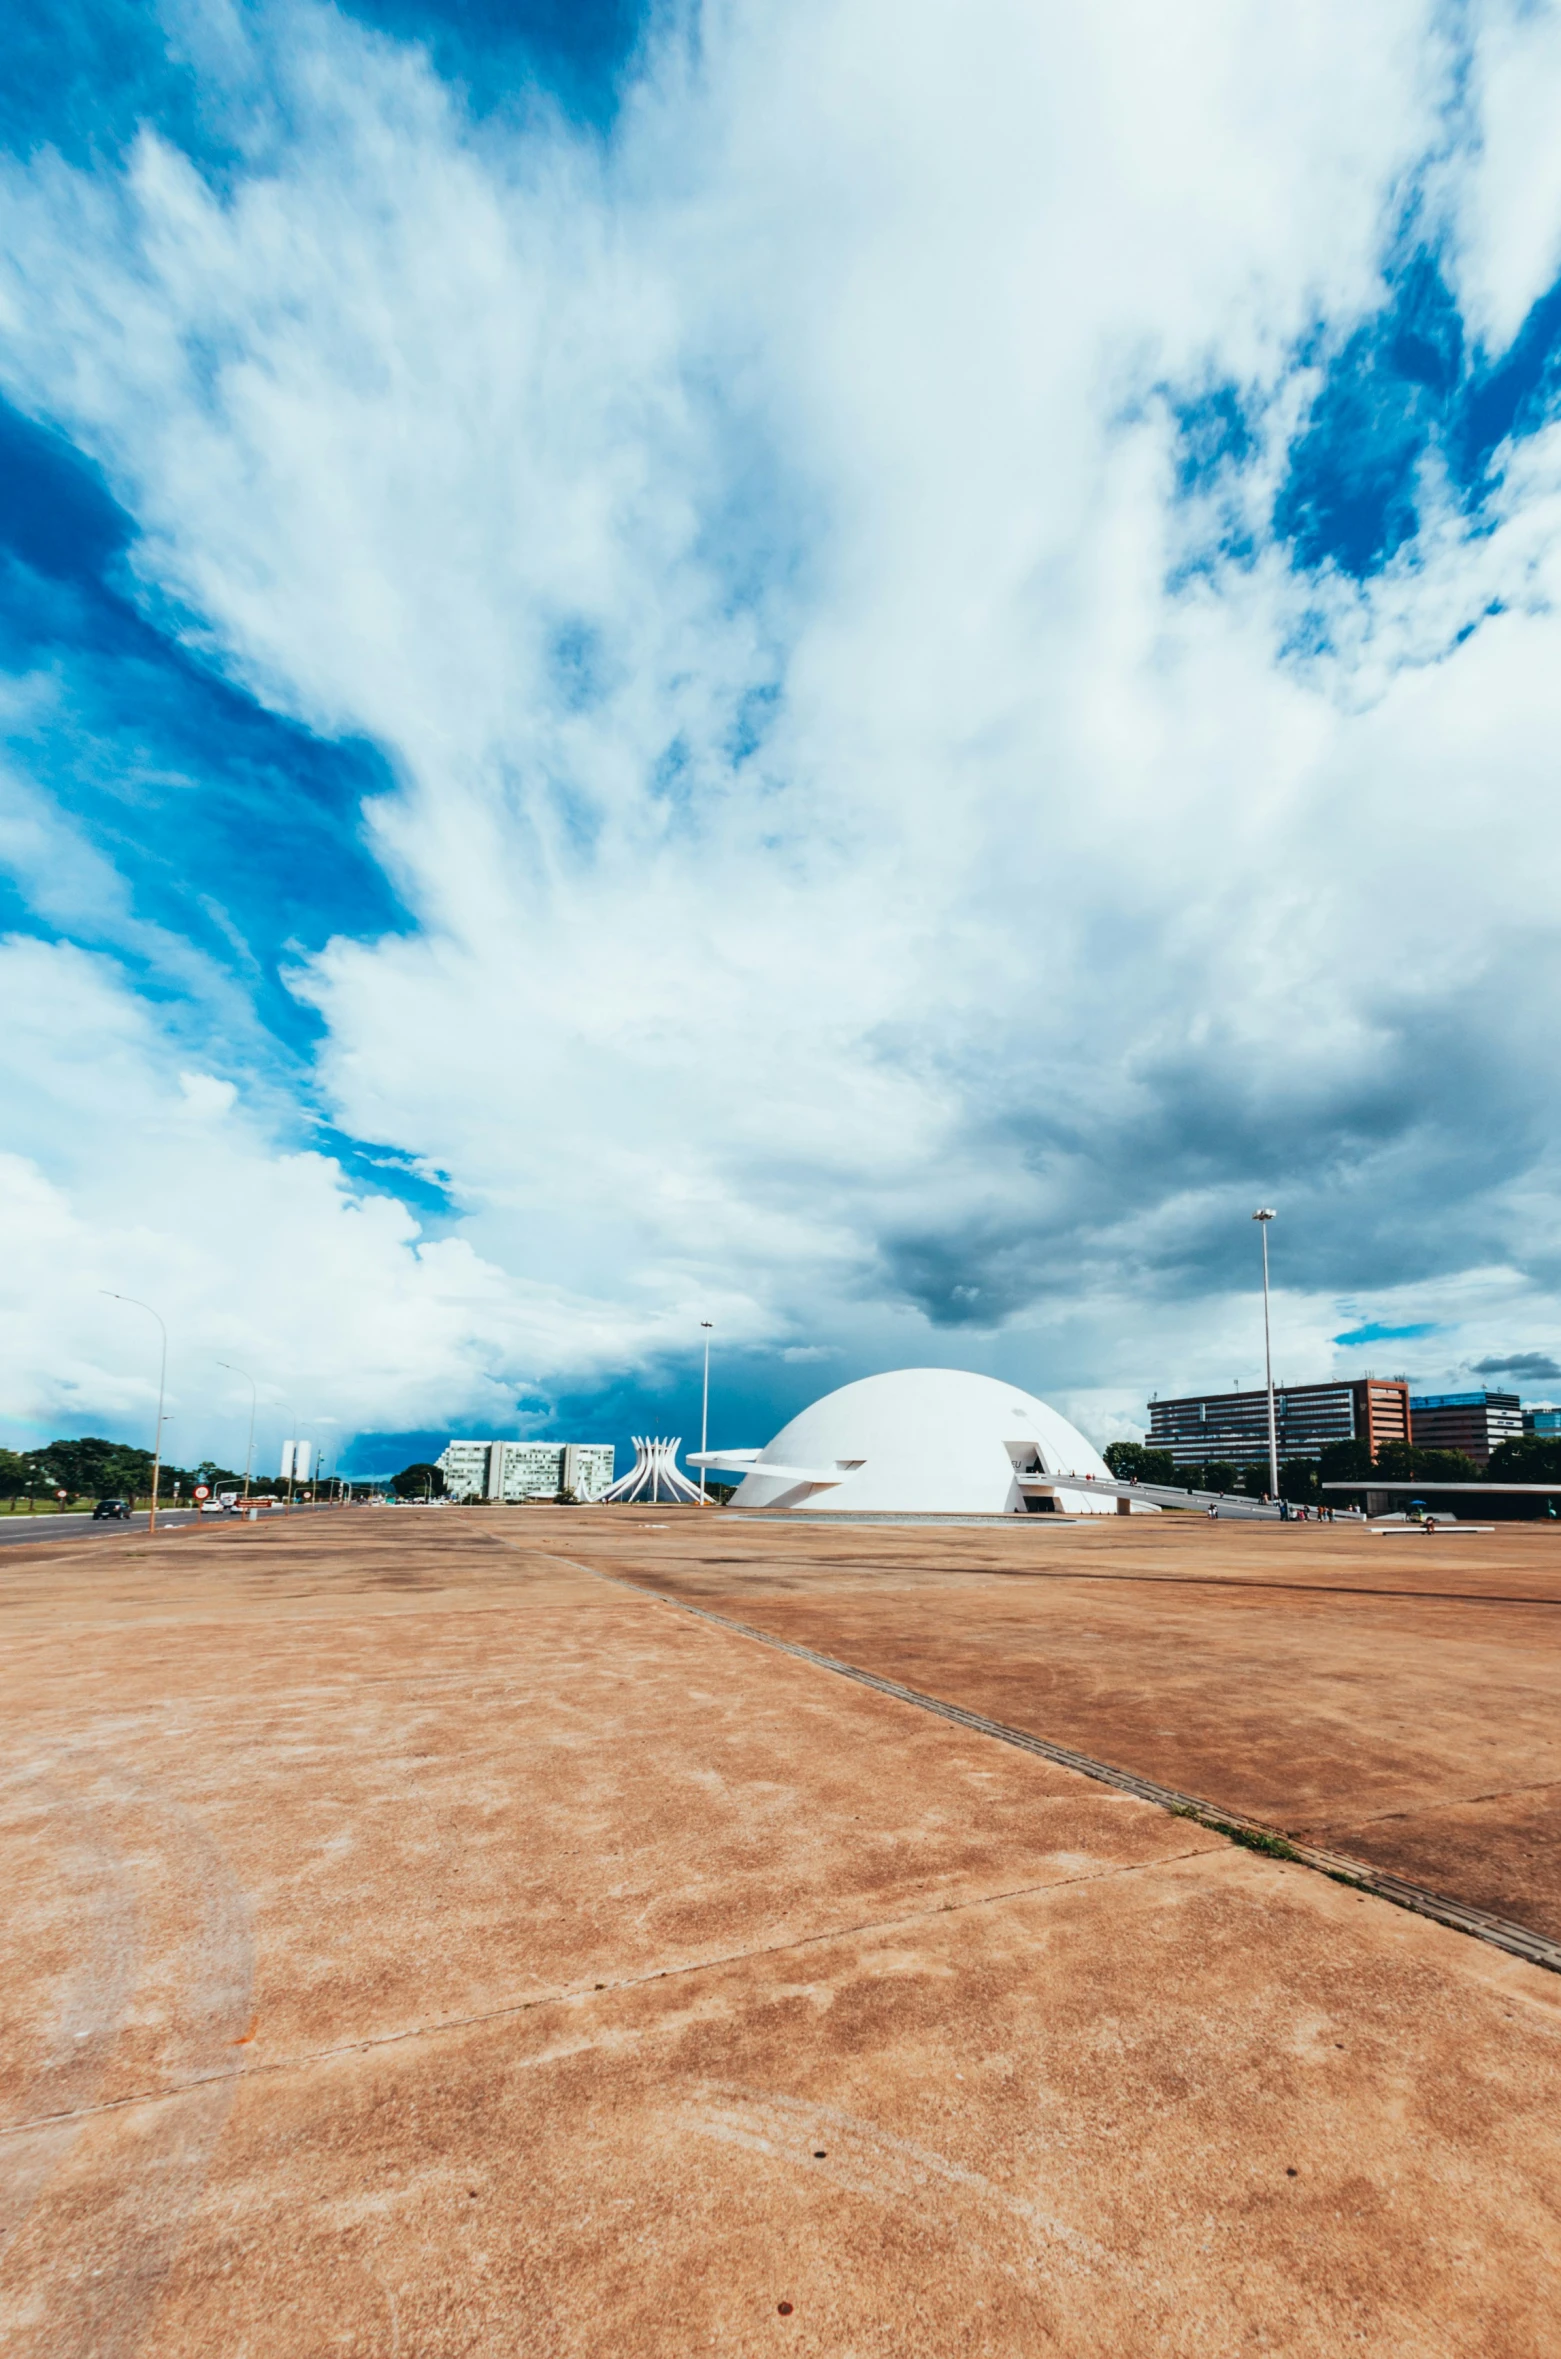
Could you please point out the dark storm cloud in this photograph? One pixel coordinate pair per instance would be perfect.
(1384, 1175)
(1538, 1366)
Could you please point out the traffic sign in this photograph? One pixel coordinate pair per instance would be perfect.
(203, 1490)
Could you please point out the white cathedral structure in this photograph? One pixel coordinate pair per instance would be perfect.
(655, 1474)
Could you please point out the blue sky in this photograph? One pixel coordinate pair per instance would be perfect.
(848, 671)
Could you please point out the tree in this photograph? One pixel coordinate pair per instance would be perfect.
(1298, 1479)
(420, 1481)
(217, 1478)
(1344, 1462)
(1532, 1458)
(90, 1467)
(15, 1475)
(38, 1475)
(1130, 1462)
(1403, 1462)
(1218, 1475)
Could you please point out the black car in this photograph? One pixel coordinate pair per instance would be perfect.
(118, 1507)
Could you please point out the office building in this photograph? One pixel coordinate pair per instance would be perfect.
(1474, 1422)
(1231, 1428)
(525, 1470)
(1544, 1421)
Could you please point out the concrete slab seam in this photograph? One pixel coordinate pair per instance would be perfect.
(1252, 1834)
(1219, 1581)
(862, 1930)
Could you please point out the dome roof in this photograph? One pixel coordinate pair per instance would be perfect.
(921, 1441)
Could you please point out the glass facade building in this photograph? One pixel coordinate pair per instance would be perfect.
(1474, 1422)
(1201, 1429)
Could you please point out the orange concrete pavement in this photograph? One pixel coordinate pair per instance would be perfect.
(417, 1945)
(1398, 1698)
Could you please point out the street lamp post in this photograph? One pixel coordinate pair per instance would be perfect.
(162, 1386)
(1263, 1216)
(249, 1455)
(704, 1417)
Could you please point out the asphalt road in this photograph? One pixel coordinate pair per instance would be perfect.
(77, 1526)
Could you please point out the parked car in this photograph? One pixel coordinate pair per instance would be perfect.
(111, 1507)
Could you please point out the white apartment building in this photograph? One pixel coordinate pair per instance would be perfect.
(525, 1470)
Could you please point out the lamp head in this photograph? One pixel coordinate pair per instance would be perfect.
(1263, 1212)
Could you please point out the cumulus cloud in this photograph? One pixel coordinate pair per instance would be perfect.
(904, 844)
(162, 1183)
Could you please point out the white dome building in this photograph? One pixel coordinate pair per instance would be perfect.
(923, 1441)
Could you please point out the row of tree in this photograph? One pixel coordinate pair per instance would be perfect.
(1133, 1462)
(92, 1468)
(1529, 1459)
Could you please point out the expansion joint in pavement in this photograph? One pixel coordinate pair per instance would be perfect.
(1519, 1941)
(863, 1930)
(1388, 1818)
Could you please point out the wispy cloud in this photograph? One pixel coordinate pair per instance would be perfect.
(1372, 1333)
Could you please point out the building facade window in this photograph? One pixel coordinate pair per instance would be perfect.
(1233, 1426)
(514, 1471)
(1474, 1422)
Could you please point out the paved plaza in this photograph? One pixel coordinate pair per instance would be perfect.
(426, 1937)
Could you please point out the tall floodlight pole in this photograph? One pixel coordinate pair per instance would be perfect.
(249, 1455)
(1263, 1216)
(704, 1415)
(162, 1386)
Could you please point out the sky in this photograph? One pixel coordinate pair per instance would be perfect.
(851, 670)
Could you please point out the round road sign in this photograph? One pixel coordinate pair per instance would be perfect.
(203, 1490)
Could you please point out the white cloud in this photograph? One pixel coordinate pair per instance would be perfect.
(1507, 202)
(845, 873)
(162, 1185)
